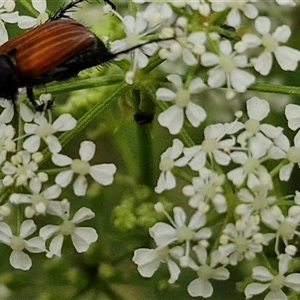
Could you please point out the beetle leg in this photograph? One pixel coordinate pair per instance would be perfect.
(29, 92)
(38, 106)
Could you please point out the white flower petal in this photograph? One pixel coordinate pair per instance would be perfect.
(64, 122)
(87, 150)
(56, 245)
(80, 185)
(200, 288)
(165, 94)
(82, 237)
(32, 143)
(48, 230)
(20, 260)
(195, 114)
(287, 58)
(261, 274)
(172, 118)
(61, 160)
(255, 289)
(53, 143)
(163, 234)
(64, 178)
(263, 63)
(257, 109)
(147, 261)
(82, 214)
(104, 173)
(27, 228)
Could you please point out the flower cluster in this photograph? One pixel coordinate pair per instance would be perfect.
(21, 161)
(195, 60)
(235, 155)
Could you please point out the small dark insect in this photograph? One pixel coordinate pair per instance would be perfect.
(56, 50)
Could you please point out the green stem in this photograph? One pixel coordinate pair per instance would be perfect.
(88, 117)
(275, 89)
(28, 6)
(145, 154)
(82, 84)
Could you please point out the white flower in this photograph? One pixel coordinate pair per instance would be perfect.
(148, 261)
(258, 137)
(256, 203)
(81, 237)
(285, 226)
(293, 156)
(102, 173)
(173, 117)
(242, 240)
(43, 129)
(205, 189)
(251, 170)
(135, 29)
(40, 200)
(22, 168)
(273, 282)
(188, 48)
(8, 110)
(201, 287)
(169, 159)
(7, 144)
(287, 57)
(213, 147)
(158, 14)
(233, 17)
(227, 68)
(19, 259)
(165, 234)
(286, 2)
(292, 113)
(26, 22)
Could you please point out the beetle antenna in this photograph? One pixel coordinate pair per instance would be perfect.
(142, 45)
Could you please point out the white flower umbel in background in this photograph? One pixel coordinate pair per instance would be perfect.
(40, 6)
(169, 159)
(286, 57)
(18, 258)
(274, 283)
(228, 69)
(234, 17)
(102, 173)
(81, 237)
(43, 129)
(173, 117)
(7, 15)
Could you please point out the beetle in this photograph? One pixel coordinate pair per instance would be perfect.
(56, 50)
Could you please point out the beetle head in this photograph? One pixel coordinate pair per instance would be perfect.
(9, 81)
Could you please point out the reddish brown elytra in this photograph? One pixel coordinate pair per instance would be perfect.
(56, 50)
